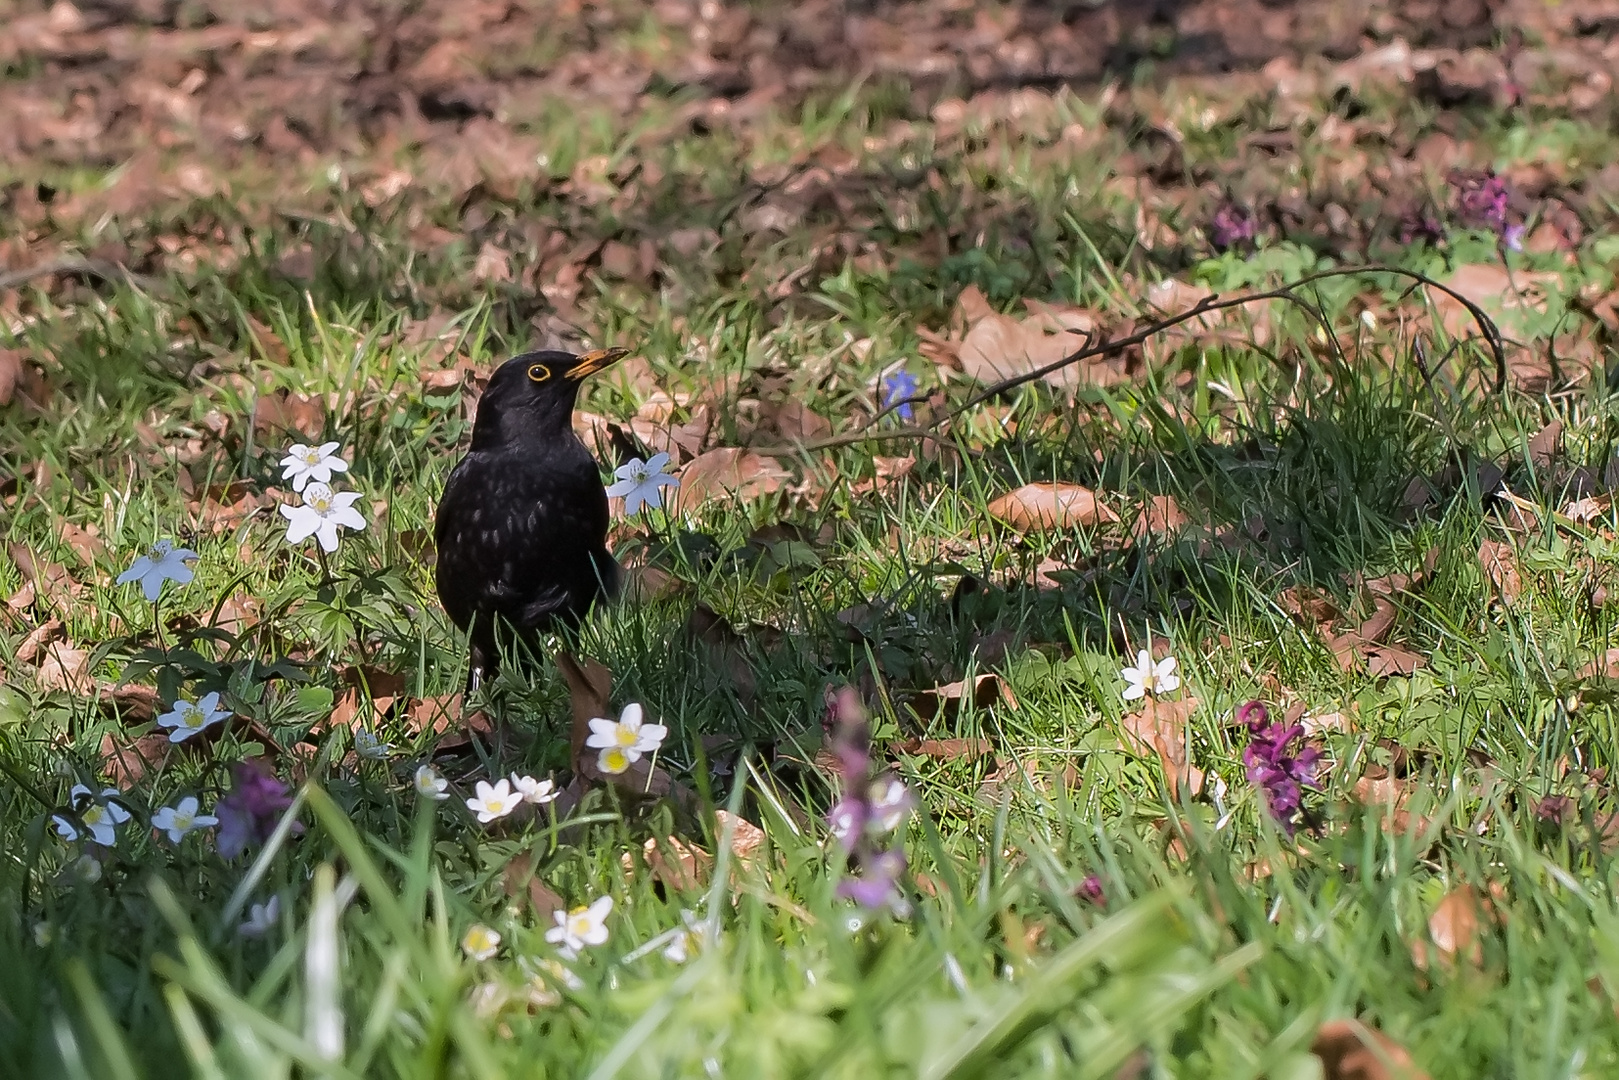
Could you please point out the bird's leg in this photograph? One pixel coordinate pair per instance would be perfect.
(479, 667)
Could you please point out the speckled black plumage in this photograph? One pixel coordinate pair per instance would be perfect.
(522, 527)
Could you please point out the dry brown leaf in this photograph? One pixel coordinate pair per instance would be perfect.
(492, 264)
(1605, 666)
(1546, 445)
(49, 581)
(1454, 929)
(673, 863)
(282, 412)
(86, 544)
(1161, 516)
(1060, 505)
(1001, 347)
(1378, 789)
(1386, 660)
(944, 749)
(126, 763)
(728, 472)
(10, 374)
(746, 837)
(64, 668)
(520, 880)
(1500, 563)
(1585, 511)
(1352, 1050)
(1504, 297)
(1159, 728)
(442, 716)
(41, 636)
(943, 703)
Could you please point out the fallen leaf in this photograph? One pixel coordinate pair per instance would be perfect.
(1500, 563)
(520, 880)
(492, 264)
(1585, 511)
(1001, 347)
(10, 374)
(50, 581)
(1159, 728)
(84, 542)
(64, 668)
(943, 703)
(1060, 505)
(746, 837)
(1353, 1050)
(1386, 660)
(284, 413)
(673, 863)
(728, 472)
(1605, 666)
(1546, 445)
(944, 749)
(34, 644)
(1454, 929)
(1160, 516)
(126, 763)
(1505, 297)
(442, 716)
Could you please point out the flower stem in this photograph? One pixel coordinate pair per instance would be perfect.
(157, 624)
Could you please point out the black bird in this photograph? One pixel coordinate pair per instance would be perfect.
(522, 527)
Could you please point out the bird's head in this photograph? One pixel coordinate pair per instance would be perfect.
(531, 397)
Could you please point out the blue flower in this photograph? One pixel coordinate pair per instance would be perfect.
(900, 387)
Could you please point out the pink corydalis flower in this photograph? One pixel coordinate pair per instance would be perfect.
(1278, 763)
(248, 814)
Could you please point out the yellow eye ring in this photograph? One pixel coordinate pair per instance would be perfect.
(539, 372)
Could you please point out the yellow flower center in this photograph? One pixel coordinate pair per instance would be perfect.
(579, 922)
(626, 736)
(615, 760)
(312, 456)
(94, 816)
(193, 716)
(184, 821)
(321, 504)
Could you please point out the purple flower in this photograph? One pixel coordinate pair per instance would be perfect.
(871, 808)
(898, 389)
(1482, 199)
(1091, 889)
(1233, 225)
(1280, 770)
(249, 813)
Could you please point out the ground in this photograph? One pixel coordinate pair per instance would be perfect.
(900, 282)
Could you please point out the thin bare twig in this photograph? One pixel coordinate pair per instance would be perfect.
(1092, 349)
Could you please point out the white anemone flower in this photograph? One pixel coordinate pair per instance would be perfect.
(628, 733)
(641, 483)
(182, 818)
(538, 792)
(1150, 676)
(187, 718)
(98, 818)
(580, 927)
(261, 918)
(688, 939)
(480, 942)
(494, 801)
(430, 785)
(162, 562)
(323, 512)
(305, 463)
(368, 746)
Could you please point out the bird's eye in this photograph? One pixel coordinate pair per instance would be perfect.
(539, 372)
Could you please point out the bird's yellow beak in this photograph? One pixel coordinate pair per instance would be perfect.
(592, 362)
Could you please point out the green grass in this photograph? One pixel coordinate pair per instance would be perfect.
(1222, 943)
